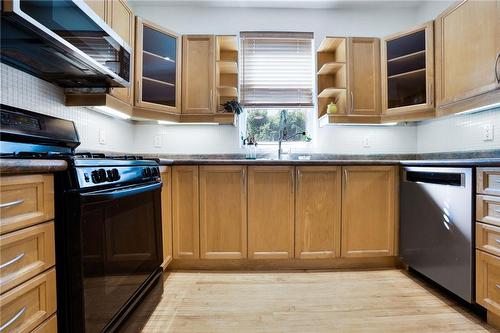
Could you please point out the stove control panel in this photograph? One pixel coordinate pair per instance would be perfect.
(93, 176)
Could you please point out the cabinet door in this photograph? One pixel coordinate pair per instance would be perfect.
(317, 212)
(185, 212)
(166, 214)
(99, 7)
(198, 66)
(121, 20)
(223, 212)
(467, 50)
(157, 68)
(408, 71)
(270, 212)
(487, 281)
(364, 76)
(368, 211)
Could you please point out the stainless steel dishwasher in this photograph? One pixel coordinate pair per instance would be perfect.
(436, 226)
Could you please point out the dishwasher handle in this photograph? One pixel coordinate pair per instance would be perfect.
(439, 178)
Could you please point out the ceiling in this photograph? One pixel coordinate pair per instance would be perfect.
(305, 4)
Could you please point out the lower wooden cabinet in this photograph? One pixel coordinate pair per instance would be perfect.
(166, 214)
(369, 203)
(223, 212)
(271, 212)
(317, 212)
(488, 281)
(185, 212)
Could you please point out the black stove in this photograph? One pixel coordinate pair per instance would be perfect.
(107, 222)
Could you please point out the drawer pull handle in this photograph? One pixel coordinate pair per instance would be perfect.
(497, 210)
(13, 319)
(498, 286)
(12, 203)
(11, 261)
(497, 240)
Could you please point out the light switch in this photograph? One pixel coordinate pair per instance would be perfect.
(157, 141)
(366, 142)
(102, 136)
(488, 132)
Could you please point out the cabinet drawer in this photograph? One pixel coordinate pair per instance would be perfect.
(49, 326)
(24, 308)
(488, 209)
(488, 181)
(488, 238)
(25, 200)
(25, 253)
(488, 281)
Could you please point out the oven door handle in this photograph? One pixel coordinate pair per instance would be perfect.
(118, 193)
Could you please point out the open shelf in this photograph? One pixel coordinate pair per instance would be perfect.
(331, 92)
(227, 91)
(330, 44)
(227, 67)
(330, 68)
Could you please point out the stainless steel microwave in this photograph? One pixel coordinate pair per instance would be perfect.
(63, 42)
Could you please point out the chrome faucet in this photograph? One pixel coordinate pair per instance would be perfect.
(283, 132)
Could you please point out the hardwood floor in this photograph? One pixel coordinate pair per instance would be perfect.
(354, 301)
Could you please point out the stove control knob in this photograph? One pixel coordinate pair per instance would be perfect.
(102, 175)
(115, 174)
(95, 177)
(155, 172)
(109, 175)
(147, 172)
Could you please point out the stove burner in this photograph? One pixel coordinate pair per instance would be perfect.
(127, 157)
(88, 155)
(31, 154)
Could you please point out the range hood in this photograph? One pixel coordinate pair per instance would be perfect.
(63, 42)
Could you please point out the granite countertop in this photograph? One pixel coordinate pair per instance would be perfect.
(212, 161)
(12, 166)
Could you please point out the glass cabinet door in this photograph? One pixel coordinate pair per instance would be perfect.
(158, 71)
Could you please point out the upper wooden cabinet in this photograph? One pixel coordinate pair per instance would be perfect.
(408, 72)
(467, 55)
(198, 65)
(271, 212)
(99, 7)
(369, 204)
(349, 76)
(157, 68)
(223, 212)
(317, 212)
(185, 212)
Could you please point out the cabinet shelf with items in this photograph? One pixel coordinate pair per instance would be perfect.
(226, 55)
(332, 74)
(407, 73)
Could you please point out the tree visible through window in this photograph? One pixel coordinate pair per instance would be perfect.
(263, 124)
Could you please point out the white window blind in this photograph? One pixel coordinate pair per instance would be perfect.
(277, 69)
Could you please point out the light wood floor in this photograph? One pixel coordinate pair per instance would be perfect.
(360, 301)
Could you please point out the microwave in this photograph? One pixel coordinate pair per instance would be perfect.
(64, 42)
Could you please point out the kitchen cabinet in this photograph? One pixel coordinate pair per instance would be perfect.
(271, 212)
(348, 75)
(185, 212)
(119, 16)
(157, 68)
(487, 279)
(466, 71)
(317, 212)
(369, 203)
(408, 73)
(166, 214)
(198, 95)
(223, 212)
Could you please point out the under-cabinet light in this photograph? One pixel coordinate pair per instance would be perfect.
(171, 123)
(361, 124)
(112, 112)
(482, 108)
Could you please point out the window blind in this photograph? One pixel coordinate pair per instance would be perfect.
(277, 69)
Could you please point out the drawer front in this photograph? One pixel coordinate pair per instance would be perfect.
(49, 326)
(25, 253)
(488, 181)
(488, 238)
(488, 281)
(488, 209)
(24, 308)
(25, 200)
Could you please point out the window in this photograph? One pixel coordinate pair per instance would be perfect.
(277, 73)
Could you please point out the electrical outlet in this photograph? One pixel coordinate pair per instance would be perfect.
(366, 142)
(102, 136)
(157, 141)
(488, 132)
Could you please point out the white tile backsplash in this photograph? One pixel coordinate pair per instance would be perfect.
(455, 133)
(24, 91)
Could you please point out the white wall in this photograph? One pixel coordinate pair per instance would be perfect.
(24, 91)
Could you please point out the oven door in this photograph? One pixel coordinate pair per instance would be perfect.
(121, 249)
